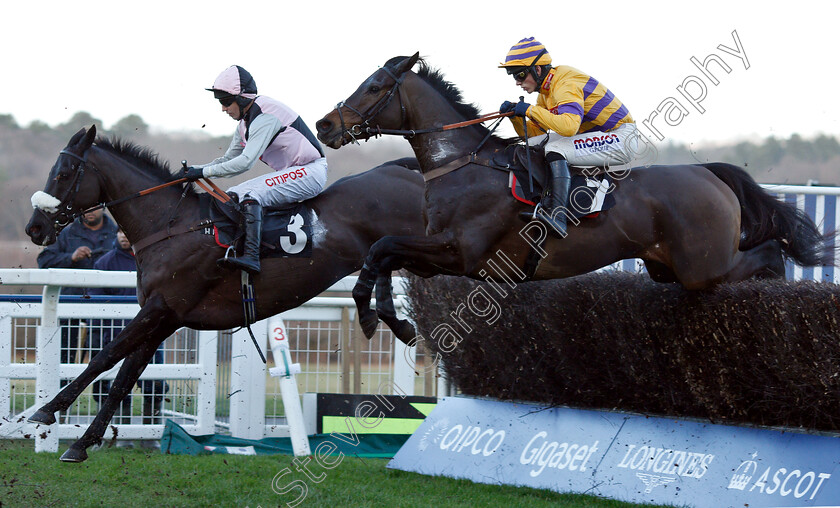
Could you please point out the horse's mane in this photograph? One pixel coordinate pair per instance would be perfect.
(139, 156)
(449, 91)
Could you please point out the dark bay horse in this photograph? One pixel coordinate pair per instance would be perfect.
(178, 282)
(698, 225)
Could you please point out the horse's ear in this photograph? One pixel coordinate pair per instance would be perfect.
(76, 137)
(406, 65)
(88, 140)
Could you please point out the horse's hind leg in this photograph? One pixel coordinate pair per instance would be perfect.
(660, 272)
(129, 372)
(131, 336)
(764, 261)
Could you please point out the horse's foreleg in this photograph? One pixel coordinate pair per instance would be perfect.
(135, 332)
(129, 373)
(385, 306)
(394, 252)
(361, 295)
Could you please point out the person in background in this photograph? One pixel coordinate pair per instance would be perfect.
(121, 258)
(78, 245)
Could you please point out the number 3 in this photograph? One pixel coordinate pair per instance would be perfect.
(295, 227)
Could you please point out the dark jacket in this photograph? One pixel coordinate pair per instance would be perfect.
(71, 238)
(116, 260)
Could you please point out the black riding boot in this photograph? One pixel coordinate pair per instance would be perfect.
(555, 203)
(250, 260)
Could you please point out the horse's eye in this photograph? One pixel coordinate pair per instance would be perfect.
(374, 89)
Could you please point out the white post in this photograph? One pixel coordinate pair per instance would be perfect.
(47, 364)
(247, 385)
(286, 370)
(206, 411)
(444, 386)
(405, 360)
(6, 348)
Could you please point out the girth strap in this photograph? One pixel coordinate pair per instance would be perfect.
(458, 164)
(169, 233)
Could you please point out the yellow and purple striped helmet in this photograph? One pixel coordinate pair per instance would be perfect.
(526, 53)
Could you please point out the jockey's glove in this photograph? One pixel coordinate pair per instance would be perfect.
(507, 107)
(521, 108)
(193, 173)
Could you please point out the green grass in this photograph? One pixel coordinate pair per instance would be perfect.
(128, 478)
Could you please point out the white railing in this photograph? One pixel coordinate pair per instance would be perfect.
(247, 395)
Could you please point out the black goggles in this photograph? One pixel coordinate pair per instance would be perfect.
(519, 74)
(227, 101)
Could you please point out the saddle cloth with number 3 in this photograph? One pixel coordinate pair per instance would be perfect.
(287, 232)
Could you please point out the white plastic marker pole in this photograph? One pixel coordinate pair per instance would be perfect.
(286, 371)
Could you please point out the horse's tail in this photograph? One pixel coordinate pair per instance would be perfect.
(763, 217)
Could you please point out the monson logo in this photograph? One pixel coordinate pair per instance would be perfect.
(595, 141)
(781, 481)
(475, 439)
(543, 453)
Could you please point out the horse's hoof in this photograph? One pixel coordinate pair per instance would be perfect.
(74, 455)
(42, 417)
(406, 333)
(368, 320)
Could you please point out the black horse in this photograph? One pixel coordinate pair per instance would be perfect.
(178, 281)
(698, 225)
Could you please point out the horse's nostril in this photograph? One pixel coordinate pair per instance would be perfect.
(323, 126)
(33, 231)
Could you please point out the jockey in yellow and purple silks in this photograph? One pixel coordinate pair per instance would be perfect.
(584, 121)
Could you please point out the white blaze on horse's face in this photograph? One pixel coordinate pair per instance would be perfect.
(43, 201)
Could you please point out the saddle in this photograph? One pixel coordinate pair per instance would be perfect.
(590, 191)
(286, 231)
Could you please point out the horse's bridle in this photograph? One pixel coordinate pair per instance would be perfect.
(365, 128)
(65, 206)
(65, 214)
(372, 111)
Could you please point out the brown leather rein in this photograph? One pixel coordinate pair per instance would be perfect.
(377, 131)
(208, 186)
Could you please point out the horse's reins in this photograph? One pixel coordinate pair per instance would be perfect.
(410, 133)
(212, 190)
(67, 200)
(209, 187)
(375, 131)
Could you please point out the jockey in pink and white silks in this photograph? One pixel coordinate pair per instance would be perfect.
(271, 132)
(584, 122)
